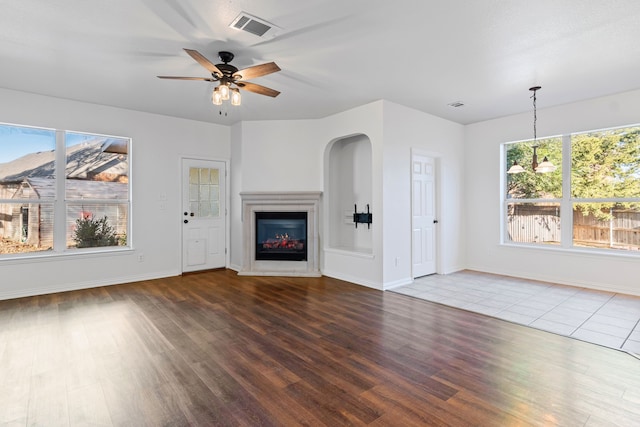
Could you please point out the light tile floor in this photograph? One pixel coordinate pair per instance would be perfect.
(605, 318)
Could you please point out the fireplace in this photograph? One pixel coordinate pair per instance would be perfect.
(281, 236)
(280, 233)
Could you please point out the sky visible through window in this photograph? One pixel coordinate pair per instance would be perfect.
(17, 141)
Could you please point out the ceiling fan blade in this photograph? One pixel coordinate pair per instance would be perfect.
(204, 61)
(262, 90)
(206, 79)
(256, 71)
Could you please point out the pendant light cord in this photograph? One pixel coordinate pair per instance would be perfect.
(535, 114)
(535, 118)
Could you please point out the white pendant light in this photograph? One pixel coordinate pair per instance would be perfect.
(545, 166)
(515, 168)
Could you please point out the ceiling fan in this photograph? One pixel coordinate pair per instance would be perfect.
(231, 79)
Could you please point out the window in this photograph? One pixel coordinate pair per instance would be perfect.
(591, 202)
(532, 198)
(62, 191)
(204, 192)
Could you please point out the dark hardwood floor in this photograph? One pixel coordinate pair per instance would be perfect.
(218, 349)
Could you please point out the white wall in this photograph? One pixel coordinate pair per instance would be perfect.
(357, 267)
(291, 156)
(235, 205)
(281, 155)
(482, 190)
(294, 156)
(158, 143)
(405, 130)
(271, 156)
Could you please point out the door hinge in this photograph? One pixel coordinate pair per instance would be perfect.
(225, 251)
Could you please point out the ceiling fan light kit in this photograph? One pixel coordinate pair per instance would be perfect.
(236, 98)
(216, 97)
(224, 91)
(230, 79)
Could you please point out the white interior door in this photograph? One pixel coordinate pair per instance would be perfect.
(203, 215)
(424, 215)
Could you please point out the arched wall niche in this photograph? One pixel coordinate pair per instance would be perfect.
(348, 183)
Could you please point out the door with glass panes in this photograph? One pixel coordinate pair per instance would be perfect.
(203, 215)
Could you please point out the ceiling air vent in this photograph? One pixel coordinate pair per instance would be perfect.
(254, 25)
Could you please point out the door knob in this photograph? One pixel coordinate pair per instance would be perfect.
(435, 221)
(186, 221)
(186, 213)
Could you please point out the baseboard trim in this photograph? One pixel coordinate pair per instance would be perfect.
(352, 279)
(596, 286)
(397, 283)
(85, 285)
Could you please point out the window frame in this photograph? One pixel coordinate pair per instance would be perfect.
(566, 202)
(61, 202)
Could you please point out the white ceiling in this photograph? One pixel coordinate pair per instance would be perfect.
(334, 54)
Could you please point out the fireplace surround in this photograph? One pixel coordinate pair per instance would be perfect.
(284, 258)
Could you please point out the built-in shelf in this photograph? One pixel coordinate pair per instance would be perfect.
(349, 194)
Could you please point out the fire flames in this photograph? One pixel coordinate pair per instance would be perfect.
(283, 241)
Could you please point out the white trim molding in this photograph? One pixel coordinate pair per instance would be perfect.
(291, 201)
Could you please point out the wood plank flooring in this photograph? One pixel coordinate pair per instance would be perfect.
(215, 348)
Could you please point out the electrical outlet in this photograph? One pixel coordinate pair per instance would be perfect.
(140, 257)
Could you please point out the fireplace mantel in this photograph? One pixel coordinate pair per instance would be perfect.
(288, 201)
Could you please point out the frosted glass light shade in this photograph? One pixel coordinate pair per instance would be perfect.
(236, 99)
(216, 97)
(224, 92)
(545, 166)
(515, 168)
